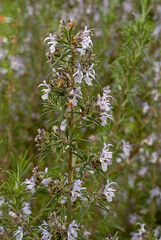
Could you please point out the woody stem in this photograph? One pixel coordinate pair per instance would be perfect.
(70, 168)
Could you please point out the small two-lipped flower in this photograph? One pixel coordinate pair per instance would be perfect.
(76, 191)
(26, 208)
(45, 90)
(46, 235)
(19, 233)
(63, 125)
(72, 231)
(109, 191)
(30, 184)
(86, 42)
(74, 95)
(105, 157)
(89, 75)
(140, 232)
(51, 41)
(78, 75)
(104, 104)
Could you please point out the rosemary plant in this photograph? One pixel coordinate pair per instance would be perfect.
(72, 109)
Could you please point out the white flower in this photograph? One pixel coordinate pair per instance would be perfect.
(17, 64)
(151, 139)
(72, 231)
(105, 157)
(139, 234)
(63, 199)
(154, 157)
(157, 70)
(86, 32)
(104, 105)
(90, 75)
(78, 76)
(47, 181)
(104, 102)
(55, 129)
(143, 170)
(136, 236)
(30, 184)
(1, 230)
(19, 233)
(75, 93)
(127, 7)
(26, 208)
(51, 42)
(142, 229)
(45, 234)
(86, 41)
(12, 214)
(126, 148)
(107, 90)
(133, 218)
(45, 91)
(157, 31)
(155, 94)
(155, 192)
(76, 192)
(109, 191)
(103, 117)
(145, 107)
(63, 125)
(86, 234)
(156, 231)
(86, 44)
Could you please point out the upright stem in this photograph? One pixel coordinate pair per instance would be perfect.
(32, 233)
(96, 212)
(70, 152)
(69, 170)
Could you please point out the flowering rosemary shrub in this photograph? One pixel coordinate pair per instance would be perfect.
(70, 195)
(93, 137)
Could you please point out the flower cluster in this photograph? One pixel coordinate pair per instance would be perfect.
(54, 228)
(36, 180)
